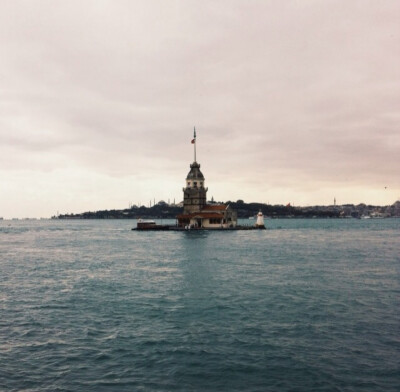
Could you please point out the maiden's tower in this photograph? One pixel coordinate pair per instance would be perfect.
(196, 212)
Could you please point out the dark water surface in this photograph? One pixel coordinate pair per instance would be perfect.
(308, 305)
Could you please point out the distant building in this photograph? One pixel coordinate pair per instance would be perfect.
(196, 212)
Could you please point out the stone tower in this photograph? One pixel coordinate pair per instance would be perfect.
(195, 193)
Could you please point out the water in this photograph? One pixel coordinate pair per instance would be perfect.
(308, 305)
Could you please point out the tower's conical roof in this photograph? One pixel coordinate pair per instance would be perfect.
(195, 173)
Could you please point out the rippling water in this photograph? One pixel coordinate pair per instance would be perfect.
(308, 305)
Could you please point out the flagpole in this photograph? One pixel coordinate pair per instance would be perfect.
(195, 144)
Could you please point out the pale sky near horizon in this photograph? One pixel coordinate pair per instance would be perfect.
(293, 101)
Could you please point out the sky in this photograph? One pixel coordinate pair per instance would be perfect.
(293, 101)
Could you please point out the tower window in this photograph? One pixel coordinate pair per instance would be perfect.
(195, 183)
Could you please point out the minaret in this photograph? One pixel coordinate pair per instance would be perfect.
(195, 193)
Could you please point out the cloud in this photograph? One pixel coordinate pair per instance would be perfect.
(292, 96)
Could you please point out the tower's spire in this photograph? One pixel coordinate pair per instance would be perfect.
(194, 143)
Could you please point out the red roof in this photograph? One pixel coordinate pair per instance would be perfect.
(203, 215)
(215, 207)
(208, 215)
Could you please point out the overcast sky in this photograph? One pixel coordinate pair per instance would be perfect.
(293, 101)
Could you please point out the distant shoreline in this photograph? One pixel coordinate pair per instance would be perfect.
(163, 210)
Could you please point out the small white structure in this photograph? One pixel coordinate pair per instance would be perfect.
(260, 220)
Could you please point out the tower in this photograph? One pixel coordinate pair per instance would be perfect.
(196, 213)
(195, 193)
(260, 220)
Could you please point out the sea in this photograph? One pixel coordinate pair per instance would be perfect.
(306, 305)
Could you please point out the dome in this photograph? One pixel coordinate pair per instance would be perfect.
(195, 173)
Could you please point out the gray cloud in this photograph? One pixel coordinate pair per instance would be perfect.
(292, 96)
